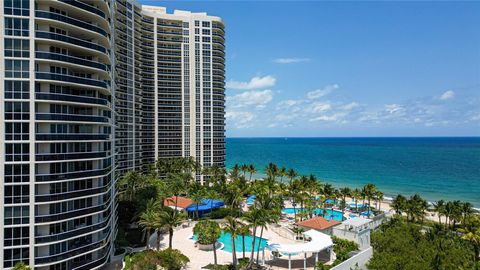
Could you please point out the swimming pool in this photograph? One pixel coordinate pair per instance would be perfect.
(336, 215)
(226, 240)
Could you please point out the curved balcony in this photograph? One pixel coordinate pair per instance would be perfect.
(72, 233)
(71, 195)
(71, 137)
(84, 6)
(71, 98)
(70, 20)
(72, 214)
(71, 40)
(72, 60)
(94, 264)
(73, 252)
(71, 79)
(69, 156)
(71, 117)
(72, 175)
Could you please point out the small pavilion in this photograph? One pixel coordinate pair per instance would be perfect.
(319, 242)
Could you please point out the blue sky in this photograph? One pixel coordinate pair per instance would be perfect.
(349, 68)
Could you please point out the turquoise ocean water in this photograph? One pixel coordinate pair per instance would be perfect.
(436, 168)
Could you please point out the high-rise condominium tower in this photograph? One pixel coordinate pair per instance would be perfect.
(169, 86)
(89, 90)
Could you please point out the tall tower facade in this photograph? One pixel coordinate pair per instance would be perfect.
(56, 123)
(190, 90)
(91, 89)
(170, 93)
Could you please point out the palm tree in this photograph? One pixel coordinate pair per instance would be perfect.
(379, 198)
(243, 231)
(197, 197)
(344, 192)
(355, 196)
(244, 169)
(149, 218)
(21, 266)
(467, 210)
(170, 218)
(471, 232)
(251, 170)
(416, 207)
(231, 226)
(208, 231)
(253, 217)
(291, 174)
(399, 204)
(439, 208)
(272, 171)
(370, 190)
(282, 173)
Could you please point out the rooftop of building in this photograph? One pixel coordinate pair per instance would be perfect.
(318, 223)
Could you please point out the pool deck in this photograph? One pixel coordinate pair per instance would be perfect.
(199, 258)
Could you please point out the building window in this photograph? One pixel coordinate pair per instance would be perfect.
(16, 194)
(17, 110)
(17, 152)
(17, 47)
(16, 131)
(16, 27)
(16, 236)
(17, 7)
(15, 255)
(16, 173)
(205, 24)
(16, 215)
(17, 89)
(16, 68)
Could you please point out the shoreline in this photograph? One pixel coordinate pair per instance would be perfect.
(389, 195)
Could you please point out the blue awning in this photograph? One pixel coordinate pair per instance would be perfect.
(206, 204)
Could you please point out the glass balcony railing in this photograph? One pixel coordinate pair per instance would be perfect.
(71, 79)
(57, 156)
(71, 98)
(73, 252)
(71, 175)
(72, 233)
(71, 40)
(74, 213)
(84, 6)
(71, 59)
(70, 20)
(71, 117)
(71, 137)
(69, 195)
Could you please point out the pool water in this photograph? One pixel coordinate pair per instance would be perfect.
(226, 240)
(335, 215)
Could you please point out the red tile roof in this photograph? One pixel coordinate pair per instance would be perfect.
(318, 223)
(181, 202)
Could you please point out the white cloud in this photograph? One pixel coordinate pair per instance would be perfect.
(319, 107)
(349, 106)
(290, 60)
(447, 95)
(329, 118)
(254, 83)
(393, 108)
(322, 92)
(240, 119)
(251, 98)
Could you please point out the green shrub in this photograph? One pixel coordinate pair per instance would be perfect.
(342, 248)
(222, 212)
(169, 259)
